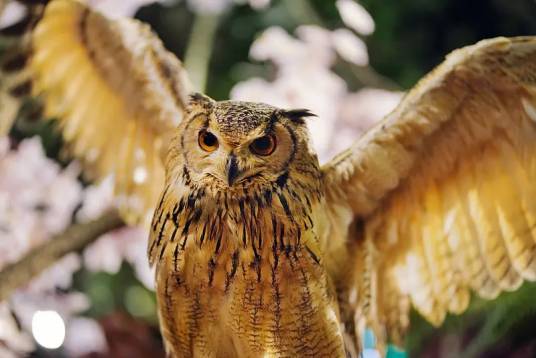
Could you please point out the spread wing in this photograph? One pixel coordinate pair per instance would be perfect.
(445, 189)
(117, 95)
(14, 78)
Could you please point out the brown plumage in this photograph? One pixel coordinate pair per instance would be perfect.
(258, 250)
(238, 266)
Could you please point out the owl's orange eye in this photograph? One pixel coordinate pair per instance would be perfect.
(264, 145)
(207, 141)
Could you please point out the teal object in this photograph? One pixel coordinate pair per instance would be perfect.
(395, 352)
(370, 351)
(369, 339)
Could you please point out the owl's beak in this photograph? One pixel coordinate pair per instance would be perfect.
(233, 172)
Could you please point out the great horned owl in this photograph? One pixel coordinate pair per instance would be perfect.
(259, 250)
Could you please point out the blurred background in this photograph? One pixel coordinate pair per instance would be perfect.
(349, 62)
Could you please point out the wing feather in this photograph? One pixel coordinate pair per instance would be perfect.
(445, 187)
(117, 95)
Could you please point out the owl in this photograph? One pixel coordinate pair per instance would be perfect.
(259, 250)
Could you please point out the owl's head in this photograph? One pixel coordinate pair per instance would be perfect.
(230, 144)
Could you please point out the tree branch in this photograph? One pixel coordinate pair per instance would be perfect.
(75, 238)
(199, 50)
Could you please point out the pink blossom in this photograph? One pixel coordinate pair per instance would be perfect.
(359, 112)
(23, 306)
(110, 250)
(13, 341)
(364, 108)
(212, 7)
(13, 12)
(355, 16)
(215, 7)
(116, 8)
(350, 47)
(84, 336)
(96, 199)
(57, 276)
(37, 198)
(259, 4)
(126, 244)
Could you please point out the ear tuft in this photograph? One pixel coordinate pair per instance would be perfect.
(200, 100)
(298, 115)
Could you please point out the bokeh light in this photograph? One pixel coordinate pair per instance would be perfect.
(48, 329)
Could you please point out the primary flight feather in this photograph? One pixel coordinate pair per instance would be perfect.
(260, 251)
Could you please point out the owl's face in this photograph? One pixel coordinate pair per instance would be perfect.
(230, 145)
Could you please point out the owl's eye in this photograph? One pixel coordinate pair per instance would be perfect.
(207, 141)
(264, 145)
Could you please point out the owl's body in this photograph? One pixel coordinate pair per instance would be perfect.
(259, 251)
(239, 270)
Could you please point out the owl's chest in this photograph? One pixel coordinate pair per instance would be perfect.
(239, 247)
(251, 274)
